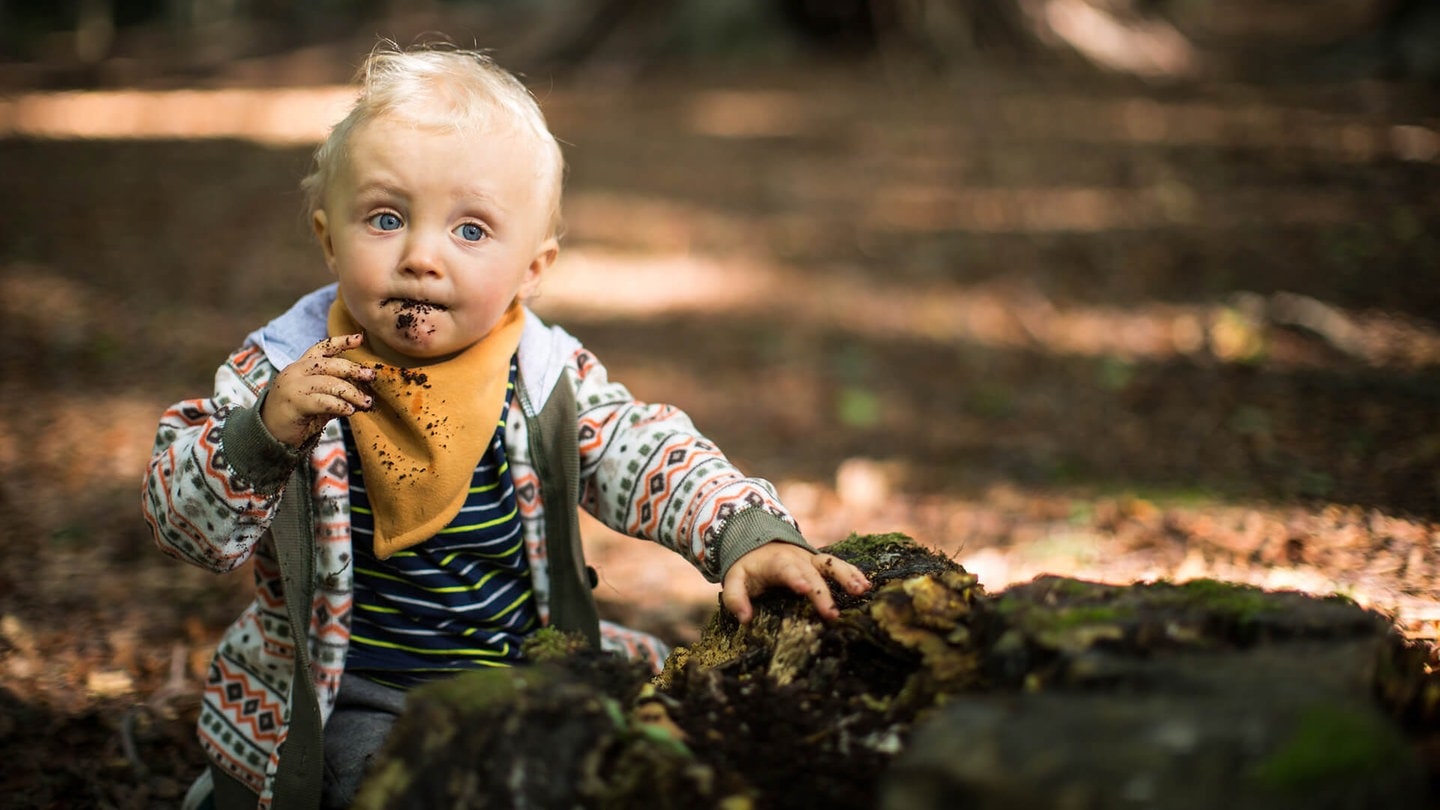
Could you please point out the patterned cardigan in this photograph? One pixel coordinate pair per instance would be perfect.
(220, 491)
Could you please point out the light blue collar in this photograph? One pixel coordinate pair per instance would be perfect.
(544, 350)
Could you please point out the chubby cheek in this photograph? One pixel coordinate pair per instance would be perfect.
(359, 276)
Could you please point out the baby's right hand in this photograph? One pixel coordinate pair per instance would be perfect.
(318, 387)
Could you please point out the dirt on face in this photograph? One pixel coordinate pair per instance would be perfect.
(410, 317)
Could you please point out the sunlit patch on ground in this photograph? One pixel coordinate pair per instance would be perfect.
(598, 285)
(268, 116)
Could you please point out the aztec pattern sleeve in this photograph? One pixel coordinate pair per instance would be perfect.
(647, 472)
(214, 480)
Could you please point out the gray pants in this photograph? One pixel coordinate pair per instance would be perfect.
(364, 713)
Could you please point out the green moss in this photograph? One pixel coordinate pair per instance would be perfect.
(1033, 616)
(1088, 614)
(389, 782)
(1331, 744)
(662, 737)
(1074, 589)
(870, 551)
(721, 641)
(1056, 595)
(1069, 627)
(550, 644)
(1051, 625)
(1240, 603)
(483, 688)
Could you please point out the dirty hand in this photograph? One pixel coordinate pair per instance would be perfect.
(780, 564)
(318, 387)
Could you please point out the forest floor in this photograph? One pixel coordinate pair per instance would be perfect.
(1042, 321)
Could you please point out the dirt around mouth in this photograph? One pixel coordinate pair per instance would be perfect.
(410, 315)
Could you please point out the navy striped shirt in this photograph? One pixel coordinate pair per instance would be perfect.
(460, 600)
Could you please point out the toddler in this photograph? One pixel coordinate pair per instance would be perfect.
(403, 452)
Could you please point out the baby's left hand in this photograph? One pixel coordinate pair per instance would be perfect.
(780, 564)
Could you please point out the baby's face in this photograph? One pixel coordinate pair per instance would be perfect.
(433, 233)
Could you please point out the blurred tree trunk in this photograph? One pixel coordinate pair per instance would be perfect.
(1404, 45)
(597, 22)
(95, 30)
(946, 32)
(191, 14)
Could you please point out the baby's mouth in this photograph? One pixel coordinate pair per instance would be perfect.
(413, 305)
(410, 315)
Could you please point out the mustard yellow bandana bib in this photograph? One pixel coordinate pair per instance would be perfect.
(427, 430)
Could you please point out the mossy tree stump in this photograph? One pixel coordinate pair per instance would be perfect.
(928, 693)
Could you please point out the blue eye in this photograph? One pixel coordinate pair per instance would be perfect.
(470, 232)
(386, 221)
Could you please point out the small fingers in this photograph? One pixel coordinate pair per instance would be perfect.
(842, 573)
(332, 346)
(780, 565)
(806, 581)
(734, 595)
(326, 404)
(327, 366)
(339, 393)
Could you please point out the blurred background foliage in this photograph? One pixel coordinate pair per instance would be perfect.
(1262, 38)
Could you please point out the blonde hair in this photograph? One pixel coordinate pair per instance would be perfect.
(441, 87)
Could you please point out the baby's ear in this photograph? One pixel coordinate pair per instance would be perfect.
(321, 225)
(544, 257)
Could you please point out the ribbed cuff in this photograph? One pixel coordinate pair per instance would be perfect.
(258, 458)
(751, 528)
